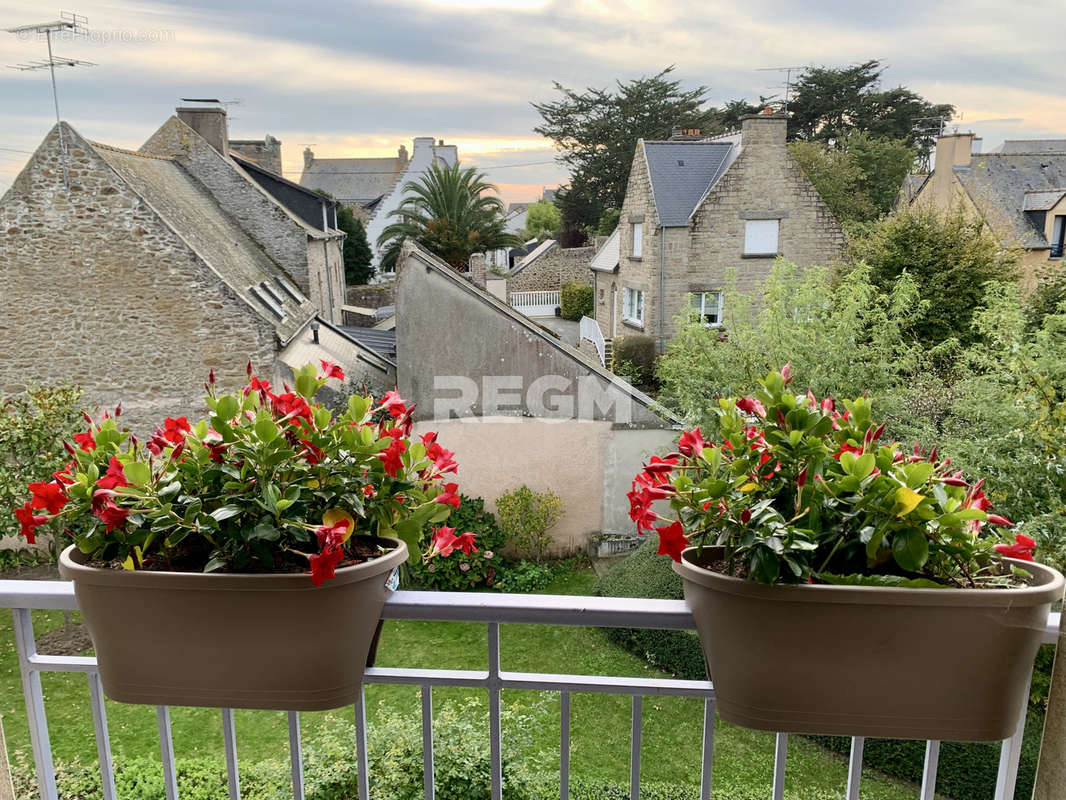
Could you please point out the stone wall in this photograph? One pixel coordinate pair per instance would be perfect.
(100, 292)
(372, 295)
(553, 269)
(265, 152)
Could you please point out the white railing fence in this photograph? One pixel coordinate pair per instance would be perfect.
(491, 609)
(589, 330)
(535, 304)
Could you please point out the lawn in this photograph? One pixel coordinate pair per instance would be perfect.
(600, 727)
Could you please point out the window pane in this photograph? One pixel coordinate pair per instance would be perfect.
(760, 236)
(638, 239)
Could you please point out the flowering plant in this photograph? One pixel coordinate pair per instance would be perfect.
(805, 490)
(268, 482)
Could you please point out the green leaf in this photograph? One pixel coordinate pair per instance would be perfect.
(215, 564)
(907, 500)
(265, 428)
(227, 408)
(137, 472)
(910, 549)
(864, 465)
(225, 512)
(264, 531)
(880, 580)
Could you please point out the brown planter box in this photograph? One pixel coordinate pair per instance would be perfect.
(232, 641)
(947, 664)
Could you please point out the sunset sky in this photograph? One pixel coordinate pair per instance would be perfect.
(360, 78)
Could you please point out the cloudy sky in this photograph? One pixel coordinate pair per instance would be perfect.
(359, 78)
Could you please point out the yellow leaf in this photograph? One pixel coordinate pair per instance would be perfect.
(749, 487)
(907, 499)
(335, 515)
(128, 563)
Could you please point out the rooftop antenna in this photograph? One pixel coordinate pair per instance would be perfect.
(73, 24)
(925, 128)
(788, 79)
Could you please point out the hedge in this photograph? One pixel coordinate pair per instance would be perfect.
(575, 301)
(967, 771)
(634, 358)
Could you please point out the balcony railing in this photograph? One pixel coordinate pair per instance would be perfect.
(492, 610)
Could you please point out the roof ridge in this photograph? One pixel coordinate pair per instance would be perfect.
(128, 152)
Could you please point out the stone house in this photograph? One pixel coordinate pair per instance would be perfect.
(697, 211)
(373, 187)
(138, 279)
(1017, 190)
(296, 226)
(550, 267)
(579, 430)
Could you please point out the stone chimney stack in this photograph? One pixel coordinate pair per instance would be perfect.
(308, 157)
(952, 150)
(402, 154)
(763, 130)
(210, 123)
(479, 270)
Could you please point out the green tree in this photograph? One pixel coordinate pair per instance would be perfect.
(949, 255)
(543, 220)
(596, 132)
(827, 104)
(451, 211)
(358, 266)
(884, 163)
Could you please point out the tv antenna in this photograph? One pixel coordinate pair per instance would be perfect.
(788, 79)
(72, 24)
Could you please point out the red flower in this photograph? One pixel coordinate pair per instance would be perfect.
(441, 458)
(691, 443)
(394, 403)
(443, 542)
(1022, 549)
(749, 405)
(49, 496)
(847, 448)
(996, 519)
(323, 564)
(672, 540)
(85, 441)
(331, 370)
(391, 456)
(114, 477)
(30, 522)
(312, 452)
(786, 373)
(660, 466)
(174, 430)
(429, 438)
(801, 479)
(112, 515)
(449, 496)
(291, 405)
(745, 516)
(332, 536)
(953, 481)
(465, 542)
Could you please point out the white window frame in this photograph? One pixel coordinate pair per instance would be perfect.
(633, 305)
(706, 304)
(762, 237)
(638, 239)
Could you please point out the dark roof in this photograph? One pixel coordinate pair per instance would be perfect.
(1016, 146)
(998, 184)
(381, 342)
(681, 173)
(299, 200)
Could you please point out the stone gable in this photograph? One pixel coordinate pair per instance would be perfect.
(100, 291)
(551, 271)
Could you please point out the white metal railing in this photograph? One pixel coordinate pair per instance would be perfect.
(534, 304)
(590, 330)
(493, 610)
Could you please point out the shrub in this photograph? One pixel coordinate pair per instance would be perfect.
(634, 358)
(525, 577)
(645, 574)
(465, 571)
(526, 517)
(576, 301)
(33, 426)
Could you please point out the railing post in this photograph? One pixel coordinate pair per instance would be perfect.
(35, 716)
(229, 743)
(708, 749)
(363, 759)
(932, 760)
(564, 746)
(634, 750)
(296, 756)
(495, 735)
(780, 757)
(427, 742)
(166, 751)
(103, 741)
(1051, 766)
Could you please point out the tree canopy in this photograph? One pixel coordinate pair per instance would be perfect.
(358, 266)
(543, 219)
(451, 211)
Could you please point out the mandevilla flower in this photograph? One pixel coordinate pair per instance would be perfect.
(1022, 548)
(30, 522)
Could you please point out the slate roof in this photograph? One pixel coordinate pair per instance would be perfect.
(1016, 146)
(1042, 201)
(188, 210)
(998, 184)
(354, 180)
(378, 341)
(607, 257)
(284, 192)
(681, 173)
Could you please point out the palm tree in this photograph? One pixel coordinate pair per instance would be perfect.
(452, 212)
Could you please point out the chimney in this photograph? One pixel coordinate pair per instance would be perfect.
(423, 143)
(478, 269)
(402, 154)
(763, 130)
(954, 150)
(308, 157)
(210, 123)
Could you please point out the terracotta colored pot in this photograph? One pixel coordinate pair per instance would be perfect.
(949, 664)
(232, 641)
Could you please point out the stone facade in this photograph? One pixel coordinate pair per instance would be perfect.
(314, 259)
(372, 295)
(265, 152)
(763, 182)
(552, 270)
(100, 291)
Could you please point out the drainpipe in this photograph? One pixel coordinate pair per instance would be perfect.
(329, 278)
(662, 290)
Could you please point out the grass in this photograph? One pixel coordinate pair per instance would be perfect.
(600, 727)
